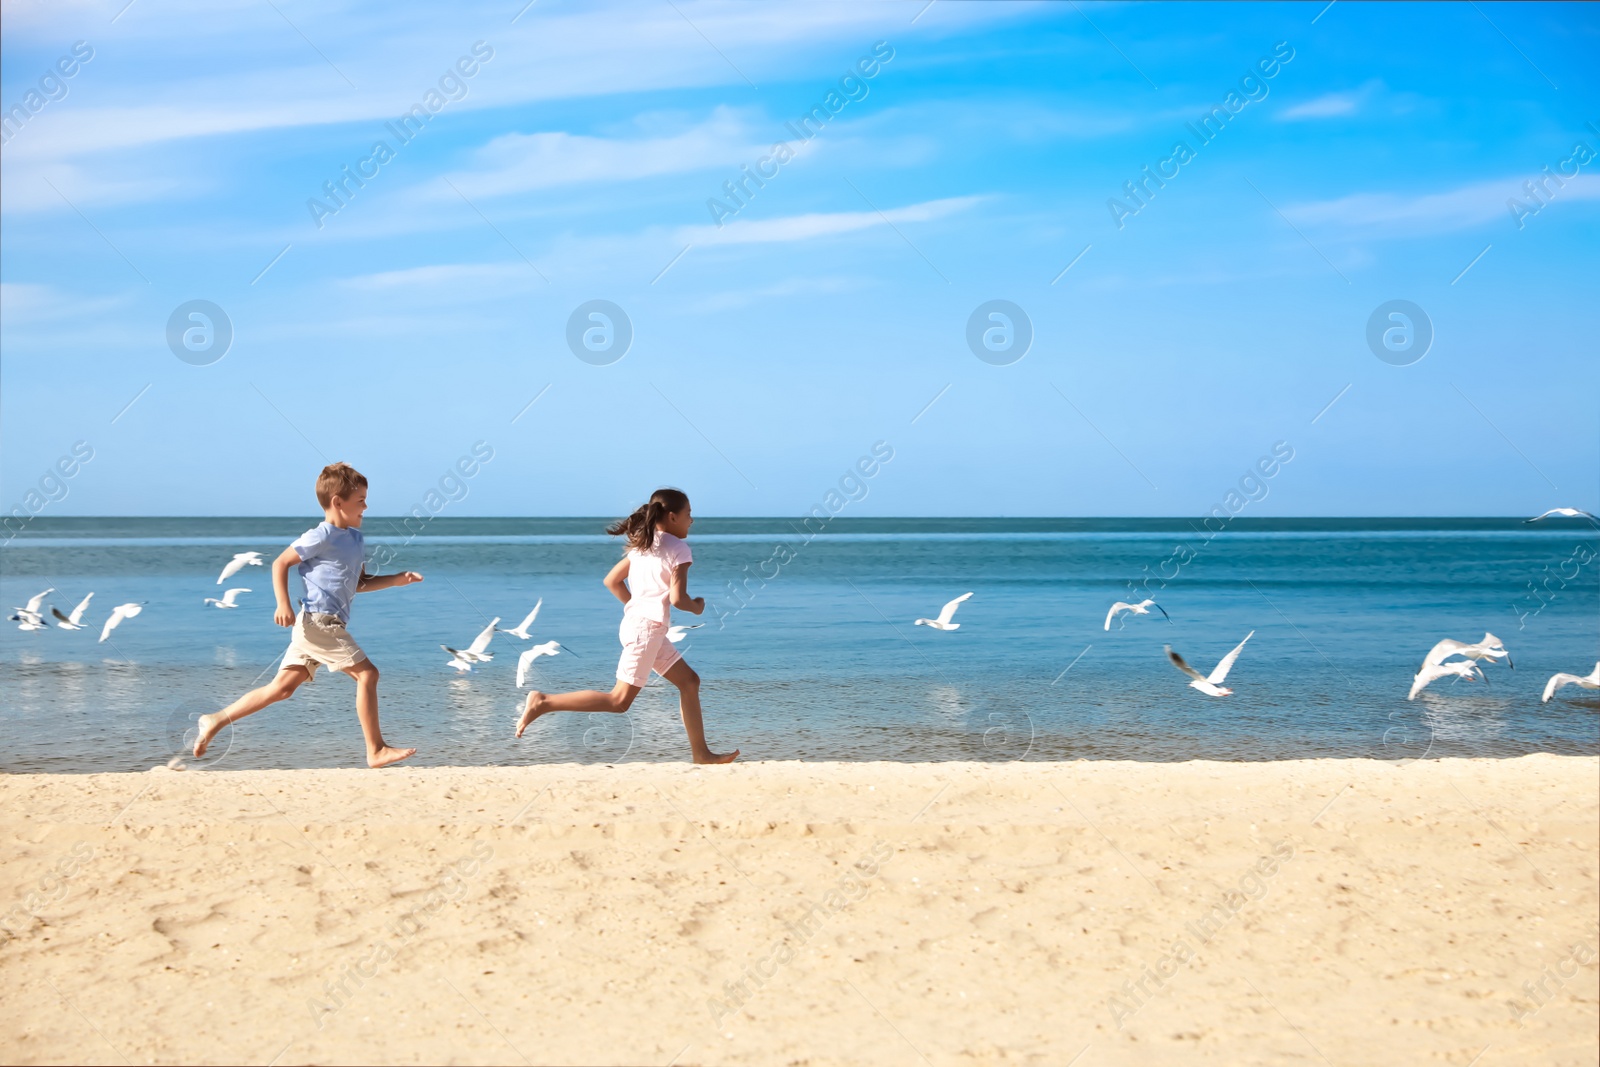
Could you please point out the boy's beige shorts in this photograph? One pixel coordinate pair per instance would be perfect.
(321, 640)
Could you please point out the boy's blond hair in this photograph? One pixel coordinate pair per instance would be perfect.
(338, 479)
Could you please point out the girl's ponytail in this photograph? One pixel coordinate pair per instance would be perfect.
(640, 527)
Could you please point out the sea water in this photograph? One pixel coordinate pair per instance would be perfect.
(809, 650)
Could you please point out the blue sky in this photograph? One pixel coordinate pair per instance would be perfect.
(824, 315)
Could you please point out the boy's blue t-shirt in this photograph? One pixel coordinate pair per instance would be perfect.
(330, 566)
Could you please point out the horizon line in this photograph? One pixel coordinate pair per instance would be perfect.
(844, 518)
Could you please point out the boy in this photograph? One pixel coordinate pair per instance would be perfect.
(330, 561)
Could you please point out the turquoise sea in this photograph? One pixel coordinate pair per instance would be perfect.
(817, 658)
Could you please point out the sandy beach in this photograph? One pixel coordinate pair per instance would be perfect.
(1338, 911)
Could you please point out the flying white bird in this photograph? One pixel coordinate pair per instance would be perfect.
(35, 603)
(463, 659)
(1141, 608)
(1570, 513)
(1211, 684)
(1592, 681)
(75, 620)
(29, 618)
(230, 599)
(118, 613)
(238, 563)
(677, 633)
(946, 613)
(521, 629)
(525, 661)
(1432, 672)
(1490, 648)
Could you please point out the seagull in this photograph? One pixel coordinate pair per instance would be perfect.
(118, 613)
(35, 603)
(29, 618)
(230, 599)
(1490, 648)
(75, 620)
(525, 661)
(1570, 513)
(521, 629)
(238, 563)
(474, 653)
(946, 613)
(1141, 608)
(1592, 681)
(1432, 672)
(678, 633)
(1211, 685)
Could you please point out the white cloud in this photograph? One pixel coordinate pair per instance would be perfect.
(212, 70)
(640, 254)
(521, 162)
(25, 303)
(474, 276)
(28, 186)
(1380, 214)
(805, 227)
(731, 299)
(1332, 105)
(1323, 107)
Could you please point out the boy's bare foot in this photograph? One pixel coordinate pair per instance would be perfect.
(386, 755)
(719, 757)
(209, 726)
(532, 708)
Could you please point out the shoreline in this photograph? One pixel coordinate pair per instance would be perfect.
(683, 761)
(760, 912)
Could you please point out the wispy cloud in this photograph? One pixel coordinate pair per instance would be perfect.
(731, 299)
(822, 224)
(523, 162)
(1323, 107)
(211, 70)
(26, 189)
(26, 303)
(1402, 215)
(1331, 105)
(454, 276)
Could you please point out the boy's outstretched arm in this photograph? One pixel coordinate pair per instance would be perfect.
(680, 591)
(369, 583)
(283, 615)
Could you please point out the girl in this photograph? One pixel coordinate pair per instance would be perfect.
(651, 578)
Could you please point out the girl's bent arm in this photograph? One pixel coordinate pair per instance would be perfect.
(614, 581)
(680, 591)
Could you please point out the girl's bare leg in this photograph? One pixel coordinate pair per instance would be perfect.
(280, 688)
(620, 699)
(683, 676)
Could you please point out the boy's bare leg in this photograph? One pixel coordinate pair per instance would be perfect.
(618, 700)
(280, 688)
(683, 676)
(378, 753)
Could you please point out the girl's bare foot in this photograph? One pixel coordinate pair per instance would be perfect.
(386, 755)
(532, 708)
(209, 725)
(718, 757)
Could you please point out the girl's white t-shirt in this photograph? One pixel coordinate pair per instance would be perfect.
(650, 577)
